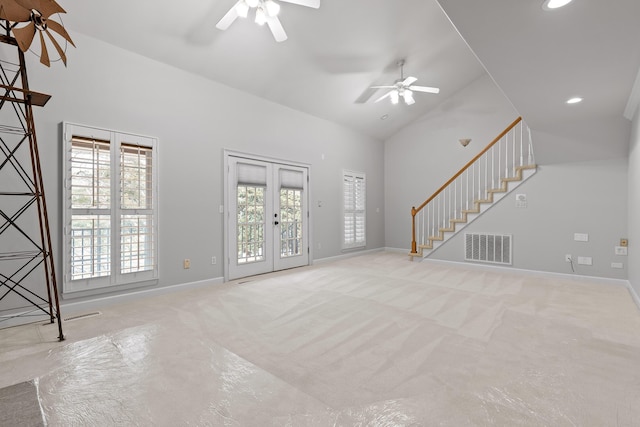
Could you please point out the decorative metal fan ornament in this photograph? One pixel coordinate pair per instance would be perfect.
(36, 14)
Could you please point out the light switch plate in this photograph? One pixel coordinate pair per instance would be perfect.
(621, 250)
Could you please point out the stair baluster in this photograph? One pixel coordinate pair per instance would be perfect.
(478, 182)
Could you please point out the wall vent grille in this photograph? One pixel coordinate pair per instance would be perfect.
(489, 248)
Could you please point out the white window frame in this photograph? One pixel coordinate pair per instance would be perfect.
(354, 211)
(115, 278)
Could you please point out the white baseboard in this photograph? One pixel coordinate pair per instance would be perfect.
(535, 273)
(398, 250)
(100, 302)
(546, 274)
(104, 301)
(346, 255)
(634, 294)
(23, 318)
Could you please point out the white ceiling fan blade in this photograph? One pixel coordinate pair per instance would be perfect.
(309, 3)
(386, 95)
(276, 28)
(408, 81)
(228, 18)
(382, 87)
(424, 89)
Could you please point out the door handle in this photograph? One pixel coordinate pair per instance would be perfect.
(276, 223)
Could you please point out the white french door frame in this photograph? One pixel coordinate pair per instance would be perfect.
(272, 231)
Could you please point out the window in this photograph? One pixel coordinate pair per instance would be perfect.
(354, 190)
(110, 209)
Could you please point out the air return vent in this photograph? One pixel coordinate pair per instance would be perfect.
(490, 248)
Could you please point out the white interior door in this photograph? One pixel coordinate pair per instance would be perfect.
(267, 217)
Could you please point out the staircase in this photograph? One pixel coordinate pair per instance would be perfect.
(496, 171)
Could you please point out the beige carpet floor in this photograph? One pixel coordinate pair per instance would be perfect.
(373, 340)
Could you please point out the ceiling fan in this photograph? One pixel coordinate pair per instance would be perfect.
(36, 14)
(266, 13)
(404, 88)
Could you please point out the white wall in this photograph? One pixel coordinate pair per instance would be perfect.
(420, 158)
(563, 199)
(634, 204)
(195, 120)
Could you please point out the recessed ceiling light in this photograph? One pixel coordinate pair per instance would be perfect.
(554, 4)
(574, 100)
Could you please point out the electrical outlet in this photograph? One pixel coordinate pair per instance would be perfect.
(214, 261)
(617, 265)
(186, 264)
(567, 258)
(581, 237)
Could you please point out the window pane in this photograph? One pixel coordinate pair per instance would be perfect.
(348, 193)
(90, 174)
(290, 222)
(136, 243)
(136, 177)
(349, 229)
(110, 208)
(250, 223)
(354, 191)
(90, 246)
(358, 194)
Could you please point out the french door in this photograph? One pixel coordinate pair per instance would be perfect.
(267, 216)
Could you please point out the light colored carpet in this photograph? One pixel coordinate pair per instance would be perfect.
(371, 340)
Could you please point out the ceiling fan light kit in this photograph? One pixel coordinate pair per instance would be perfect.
(555, 4)
(267, 12)
(242, 9)
(272, 8)
(404, 88)
(261, 16)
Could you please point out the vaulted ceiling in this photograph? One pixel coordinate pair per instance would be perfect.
(540, 59)
(335, 53)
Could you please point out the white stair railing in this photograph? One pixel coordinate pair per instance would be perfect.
(489, 172)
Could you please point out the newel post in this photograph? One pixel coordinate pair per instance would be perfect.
(413, 230)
